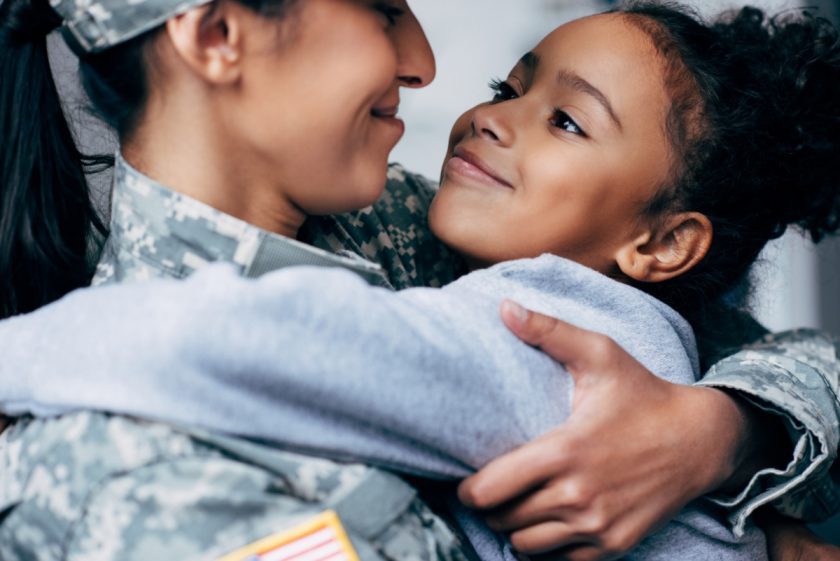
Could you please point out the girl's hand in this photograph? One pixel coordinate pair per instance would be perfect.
(634, 452)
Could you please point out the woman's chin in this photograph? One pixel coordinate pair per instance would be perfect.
(367, 186)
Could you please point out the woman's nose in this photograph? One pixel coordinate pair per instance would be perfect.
(491, 122)
(415, 59)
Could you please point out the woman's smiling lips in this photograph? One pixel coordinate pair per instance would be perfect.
(468, 165)
(387, 114)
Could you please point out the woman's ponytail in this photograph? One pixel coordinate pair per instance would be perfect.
(48, 225)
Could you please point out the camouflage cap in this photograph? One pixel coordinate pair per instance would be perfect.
(91, 26)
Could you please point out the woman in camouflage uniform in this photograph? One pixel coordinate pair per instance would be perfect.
(191, 88)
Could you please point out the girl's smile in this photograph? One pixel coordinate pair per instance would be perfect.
(574, 143)
(470, 166)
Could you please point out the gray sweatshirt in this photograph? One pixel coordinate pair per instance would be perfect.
(423, 381)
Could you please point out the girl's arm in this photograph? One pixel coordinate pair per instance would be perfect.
(312, 359)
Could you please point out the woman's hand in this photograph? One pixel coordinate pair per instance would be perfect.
(790, 540)
(634, 452)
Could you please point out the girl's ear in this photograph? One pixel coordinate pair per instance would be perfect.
(209, 40)
(669, 251)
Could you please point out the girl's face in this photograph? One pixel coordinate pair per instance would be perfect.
(319, 98)
(566, 156)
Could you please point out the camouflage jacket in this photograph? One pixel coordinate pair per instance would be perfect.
(98, 487)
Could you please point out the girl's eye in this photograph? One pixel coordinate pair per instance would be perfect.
(502, 91)
(391, 13)
(562, 120)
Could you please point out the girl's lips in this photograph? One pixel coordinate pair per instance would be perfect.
(467, 164)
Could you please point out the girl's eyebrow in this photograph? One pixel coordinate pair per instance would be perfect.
(578, 83)
(531, 61)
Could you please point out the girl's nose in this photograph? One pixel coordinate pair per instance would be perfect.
(491, 123)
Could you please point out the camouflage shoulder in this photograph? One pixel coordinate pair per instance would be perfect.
(219, 509)
(404, 211)
(53, 465)
(415, 184)
(806, 363)
(811, 359)
(96, 487)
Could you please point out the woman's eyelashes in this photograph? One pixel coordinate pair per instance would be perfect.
(503, 91)
(389, 12)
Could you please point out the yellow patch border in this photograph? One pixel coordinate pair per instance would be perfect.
(326, 519)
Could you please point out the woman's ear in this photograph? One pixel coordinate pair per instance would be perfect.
(669, 251)
(209, 40)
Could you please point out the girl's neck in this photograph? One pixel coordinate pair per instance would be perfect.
(196, 157)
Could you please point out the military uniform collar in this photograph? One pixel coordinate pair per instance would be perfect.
(180, 234)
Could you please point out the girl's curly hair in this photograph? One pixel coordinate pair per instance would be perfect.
(755, 129)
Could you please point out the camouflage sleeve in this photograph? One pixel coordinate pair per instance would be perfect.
(797, 376)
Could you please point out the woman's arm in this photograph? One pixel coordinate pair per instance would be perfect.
(795, 377)
(791, 540)
(580, 493)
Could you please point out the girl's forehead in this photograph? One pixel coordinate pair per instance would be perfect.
(604, 36)
(606, 50)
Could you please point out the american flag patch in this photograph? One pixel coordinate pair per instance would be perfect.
(320, 539)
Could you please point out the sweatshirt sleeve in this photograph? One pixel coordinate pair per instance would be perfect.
(309, 359)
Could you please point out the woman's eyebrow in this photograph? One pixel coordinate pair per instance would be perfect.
(578, 83)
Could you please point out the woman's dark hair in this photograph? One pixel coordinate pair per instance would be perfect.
(47, 221)
(755, 129)
(117, 80)
(49, 230)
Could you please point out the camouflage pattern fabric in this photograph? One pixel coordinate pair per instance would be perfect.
(394, 233)
(91, 26)
(796, 375)
(98, 487)
(157, 232)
